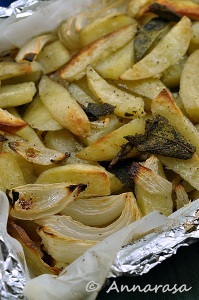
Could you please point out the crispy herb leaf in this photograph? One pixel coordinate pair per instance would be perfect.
(161, 138)
(95, 110)
(121, 171)
(164, 12)
(146, 36)
(125, 149)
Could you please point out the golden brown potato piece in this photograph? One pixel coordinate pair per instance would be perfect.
(183, 8)
(97, 51)
(10, 123)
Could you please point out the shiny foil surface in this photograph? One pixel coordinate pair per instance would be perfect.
(145, 253)
(12, 275)
(20, 8)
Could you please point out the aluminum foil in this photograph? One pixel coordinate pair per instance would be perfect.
(12, 275)
(145, 253)
(20, 8)
(12, 263)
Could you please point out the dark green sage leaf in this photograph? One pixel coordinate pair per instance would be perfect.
(162, 138)
(147, 35)
(95, 110)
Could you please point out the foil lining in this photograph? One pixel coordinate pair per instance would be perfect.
(12, 275)
(12, 264)
(141, 256)
(20, 8)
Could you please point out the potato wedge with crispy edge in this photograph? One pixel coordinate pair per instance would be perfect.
(102, 26)
(189, 86)
(11, 174)
(17, 94)
(39, 117)
(171, 76)
(63, 107)
(165, 106)
(187, 169)
(149, 87)
(167, 52)
(94, 177)
(9, 69)
(182, 8)
(126, 105)
(49, 59)
(10, 123)
(117, 63)
(97, 51)
(108, 146)
(111, 123)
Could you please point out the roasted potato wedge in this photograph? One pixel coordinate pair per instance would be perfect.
(17, 94)
(63, 107)
(97, 51)
(126, 105)
(39, 117)
(9, 69)
(108, 146)
(94, 177)
(9, 123)
(189, 86)
(102, 26)
(167, 52)
(165, 105)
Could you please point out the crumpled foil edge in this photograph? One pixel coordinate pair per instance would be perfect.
(140, 256)
(13, 269)
(20, 8)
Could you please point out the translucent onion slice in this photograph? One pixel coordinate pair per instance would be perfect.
(68, 31)
(30, 50)
(65, 239)
(33, 201)
(39, 155)
(63, 249)
(153, 192)
(65, 226)
(68, 35)
(96, 211)
(148, 180)
(182, 197)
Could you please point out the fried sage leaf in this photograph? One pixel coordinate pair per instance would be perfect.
(162, 138)
(164, 12)
(121, 170)
(96, 110)
(147, 35)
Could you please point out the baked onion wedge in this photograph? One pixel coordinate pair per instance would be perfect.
(33, 201)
